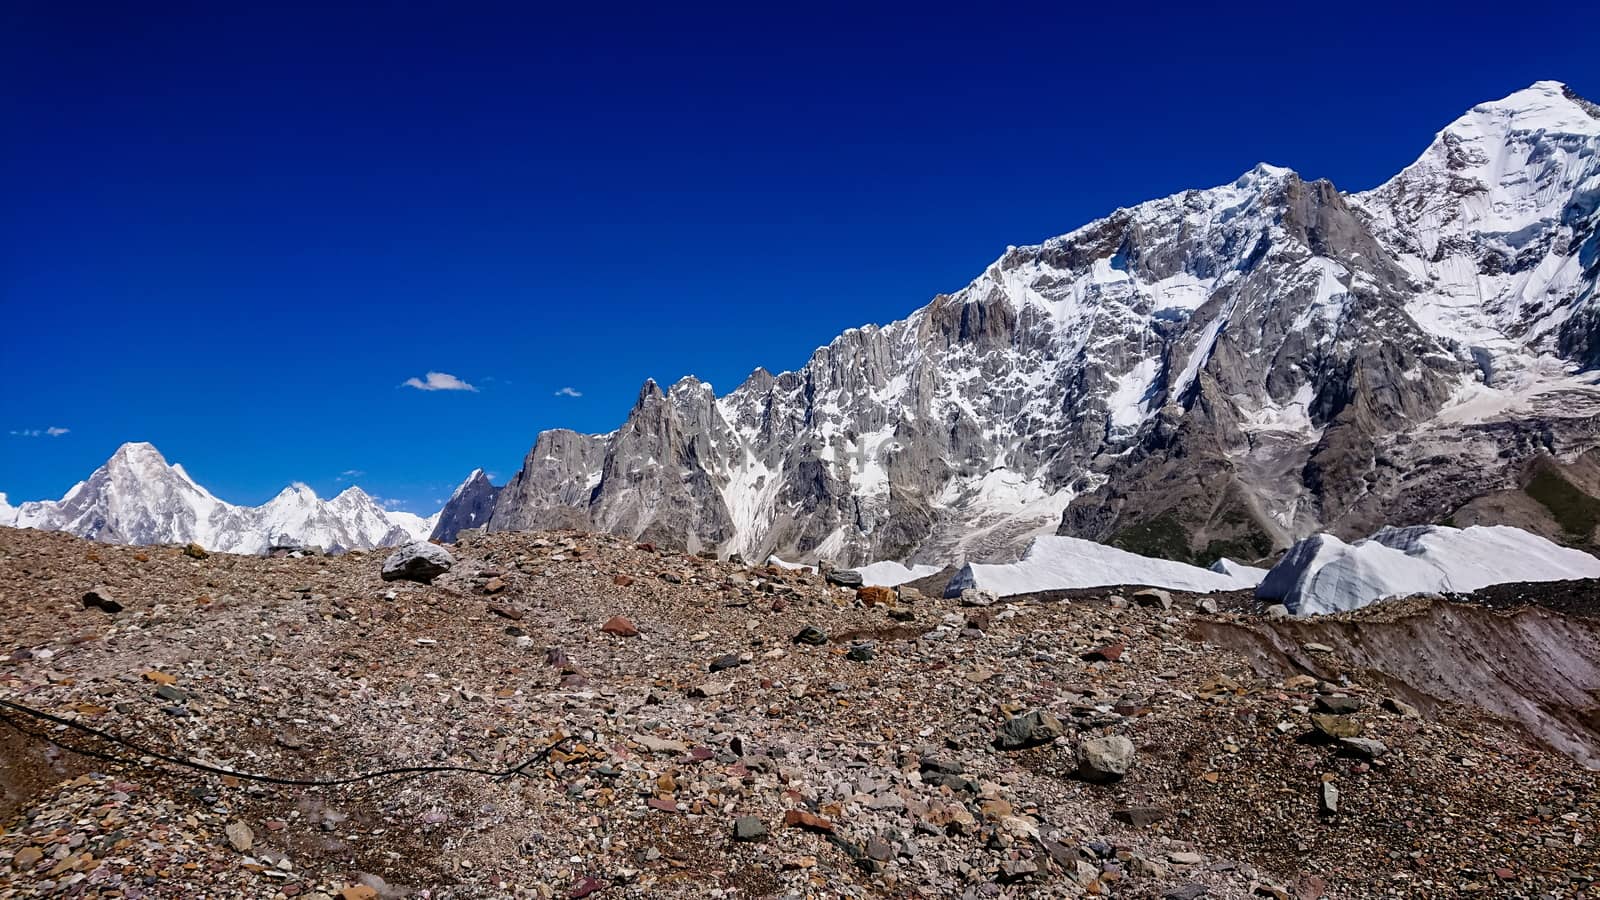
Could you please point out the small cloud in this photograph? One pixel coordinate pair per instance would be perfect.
(52, 431)
(569, 392)
(438, 381)
(349, 474)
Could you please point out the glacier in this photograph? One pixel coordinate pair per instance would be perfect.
(1323, 574)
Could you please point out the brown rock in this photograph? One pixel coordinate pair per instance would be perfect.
(1334, 726)
(27, 858)
(799, 818)
(1108, 653)
(494, 585)
(620, 627)
(622, 580)
(875, 596)
(358, 892)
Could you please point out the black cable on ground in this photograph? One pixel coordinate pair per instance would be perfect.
(246, 776)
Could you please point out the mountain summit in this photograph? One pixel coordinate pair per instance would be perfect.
(137, 497)
(1216, 372)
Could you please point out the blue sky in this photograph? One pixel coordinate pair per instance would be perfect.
(238, 233)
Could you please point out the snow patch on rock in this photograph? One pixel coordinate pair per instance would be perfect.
(889, 573)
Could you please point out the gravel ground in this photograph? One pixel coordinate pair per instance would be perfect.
(865, 765)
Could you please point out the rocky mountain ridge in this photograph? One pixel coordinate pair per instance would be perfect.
(138, 498)
(1218, 372)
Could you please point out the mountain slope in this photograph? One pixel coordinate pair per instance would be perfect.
(1218, 372)
(468, 507)
(138, 498)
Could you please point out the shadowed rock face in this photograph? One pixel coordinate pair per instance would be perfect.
(1218, 372)
(469, 507)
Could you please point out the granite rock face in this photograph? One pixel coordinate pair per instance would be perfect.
(469, 507)
(1215, 373)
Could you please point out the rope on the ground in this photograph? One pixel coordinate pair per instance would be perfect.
(246, 776)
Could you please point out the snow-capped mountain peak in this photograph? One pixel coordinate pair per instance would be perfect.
(137, 497)
(1208, 373)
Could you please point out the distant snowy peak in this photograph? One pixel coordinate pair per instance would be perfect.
(417, 528)
(137, 497)
(1491, 219)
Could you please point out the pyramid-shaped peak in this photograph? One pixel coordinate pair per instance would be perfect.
(1542, 106)
(298, 490)
(139, 451)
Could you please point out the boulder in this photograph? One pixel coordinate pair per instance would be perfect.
(417, 561)
(1334, 726)
(620, 626)
(1105, 759)
(845, 578)
(1139, 816)
(1338, 704)
(978, 597)
(1153, 597)
(1030, 729)
(99, 597)
(749, 828)
(1366, 748)
(875, 596)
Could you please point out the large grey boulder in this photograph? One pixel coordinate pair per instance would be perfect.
(1105, 759)
(417, 561)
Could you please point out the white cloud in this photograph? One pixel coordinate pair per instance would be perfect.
(55, 431)
(438, 381)
(349, 474)
(569, 392)
(52, 431)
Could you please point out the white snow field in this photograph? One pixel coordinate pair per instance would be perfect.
(1323, 574)
(889, 573)
(1054, 562)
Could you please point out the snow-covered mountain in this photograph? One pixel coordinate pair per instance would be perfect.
(138, 498)
(1215, 373)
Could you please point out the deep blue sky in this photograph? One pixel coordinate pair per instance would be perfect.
(236, 233)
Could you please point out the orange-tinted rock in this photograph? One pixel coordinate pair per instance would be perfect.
(620, 627)
(875, 596)
(799, 818)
